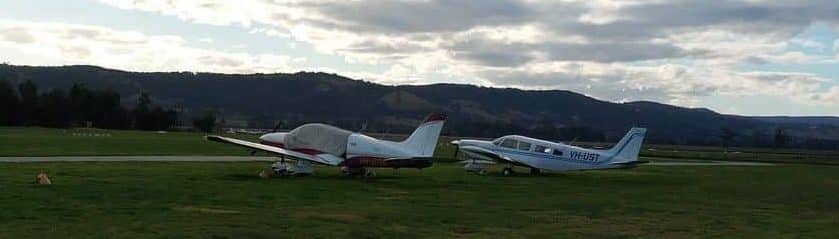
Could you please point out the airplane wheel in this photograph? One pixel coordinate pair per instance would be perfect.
(535, 171)
(280, 173)
(507, 171)
(369, 173)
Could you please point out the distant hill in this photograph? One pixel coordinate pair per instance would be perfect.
(807, 120)
(262, 100)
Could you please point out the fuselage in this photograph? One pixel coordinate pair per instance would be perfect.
(545, 155)
(361, 151)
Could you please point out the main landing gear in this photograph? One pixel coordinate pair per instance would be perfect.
(508, 171)
(361, 171)
(474, 168)
(281, 168)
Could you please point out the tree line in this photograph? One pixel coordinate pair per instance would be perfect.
(25, 105)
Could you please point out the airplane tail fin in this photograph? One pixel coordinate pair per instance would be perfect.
(424, 139)
(627, 149)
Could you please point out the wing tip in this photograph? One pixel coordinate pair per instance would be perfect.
(214, 138)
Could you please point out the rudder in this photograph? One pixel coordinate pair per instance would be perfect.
(627, 149)
(423, 140)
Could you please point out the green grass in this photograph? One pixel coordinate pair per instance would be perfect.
(18, 141)
(89, 142)
(228, 200)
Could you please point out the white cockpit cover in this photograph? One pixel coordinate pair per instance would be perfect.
(322, 137)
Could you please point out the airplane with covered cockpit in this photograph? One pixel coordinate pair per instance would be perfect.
(541, 155)
(355, 153)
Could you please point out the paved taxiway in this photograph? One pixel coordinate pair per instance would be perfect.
(136, 159)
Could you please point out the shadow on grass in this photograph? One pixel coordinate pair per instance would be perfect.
(243, 177)
(525, 175)
(254, 177)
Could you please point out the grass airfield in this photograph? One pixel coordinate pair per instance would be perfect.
(229, 200)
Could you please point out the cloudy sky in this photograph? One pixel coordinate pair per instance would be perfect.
(755, 57)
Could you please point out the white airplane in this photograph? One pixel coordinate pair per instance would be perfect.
(355, 153)
(539, 155)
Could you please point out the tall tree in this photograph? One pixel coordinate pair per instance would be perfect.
(142, 114)
(54, 110)
(9, 104)
(28, 102)
(80, 99)
(206, 122)
(727, 136)
(106, 110)
(780, 138)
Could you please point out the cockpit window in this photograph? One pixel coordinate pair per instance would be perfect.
(509, 143)
(558, 152)
(541, 149)
(524, 146)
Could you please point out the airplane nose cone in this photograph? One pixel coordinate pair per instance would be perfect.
(273, 138)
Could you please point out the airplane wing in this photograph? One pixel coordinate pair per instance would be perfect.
(488, 156)
(268, 148)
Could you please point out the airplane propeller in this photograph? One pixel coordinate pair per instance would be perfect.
(277, 127)
(456, 144)
(363, 127)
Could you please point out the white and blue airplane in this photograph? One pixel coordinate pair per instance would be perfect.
(541, 155)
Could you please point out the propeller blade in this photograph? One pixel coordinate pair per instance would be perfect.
(277, 127)
(456, 144)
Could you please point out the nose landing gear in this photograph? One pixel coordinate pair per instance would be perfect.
(281, 168)
(507, 171)
(362, 171)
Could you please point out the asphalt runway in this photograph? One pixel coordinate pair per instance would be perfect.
(135, 159)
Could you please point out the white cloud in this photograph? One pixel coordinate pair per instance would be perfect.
(836, 48)
(82, 44)
(672, 51)
(808, 43)
(829, 97)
